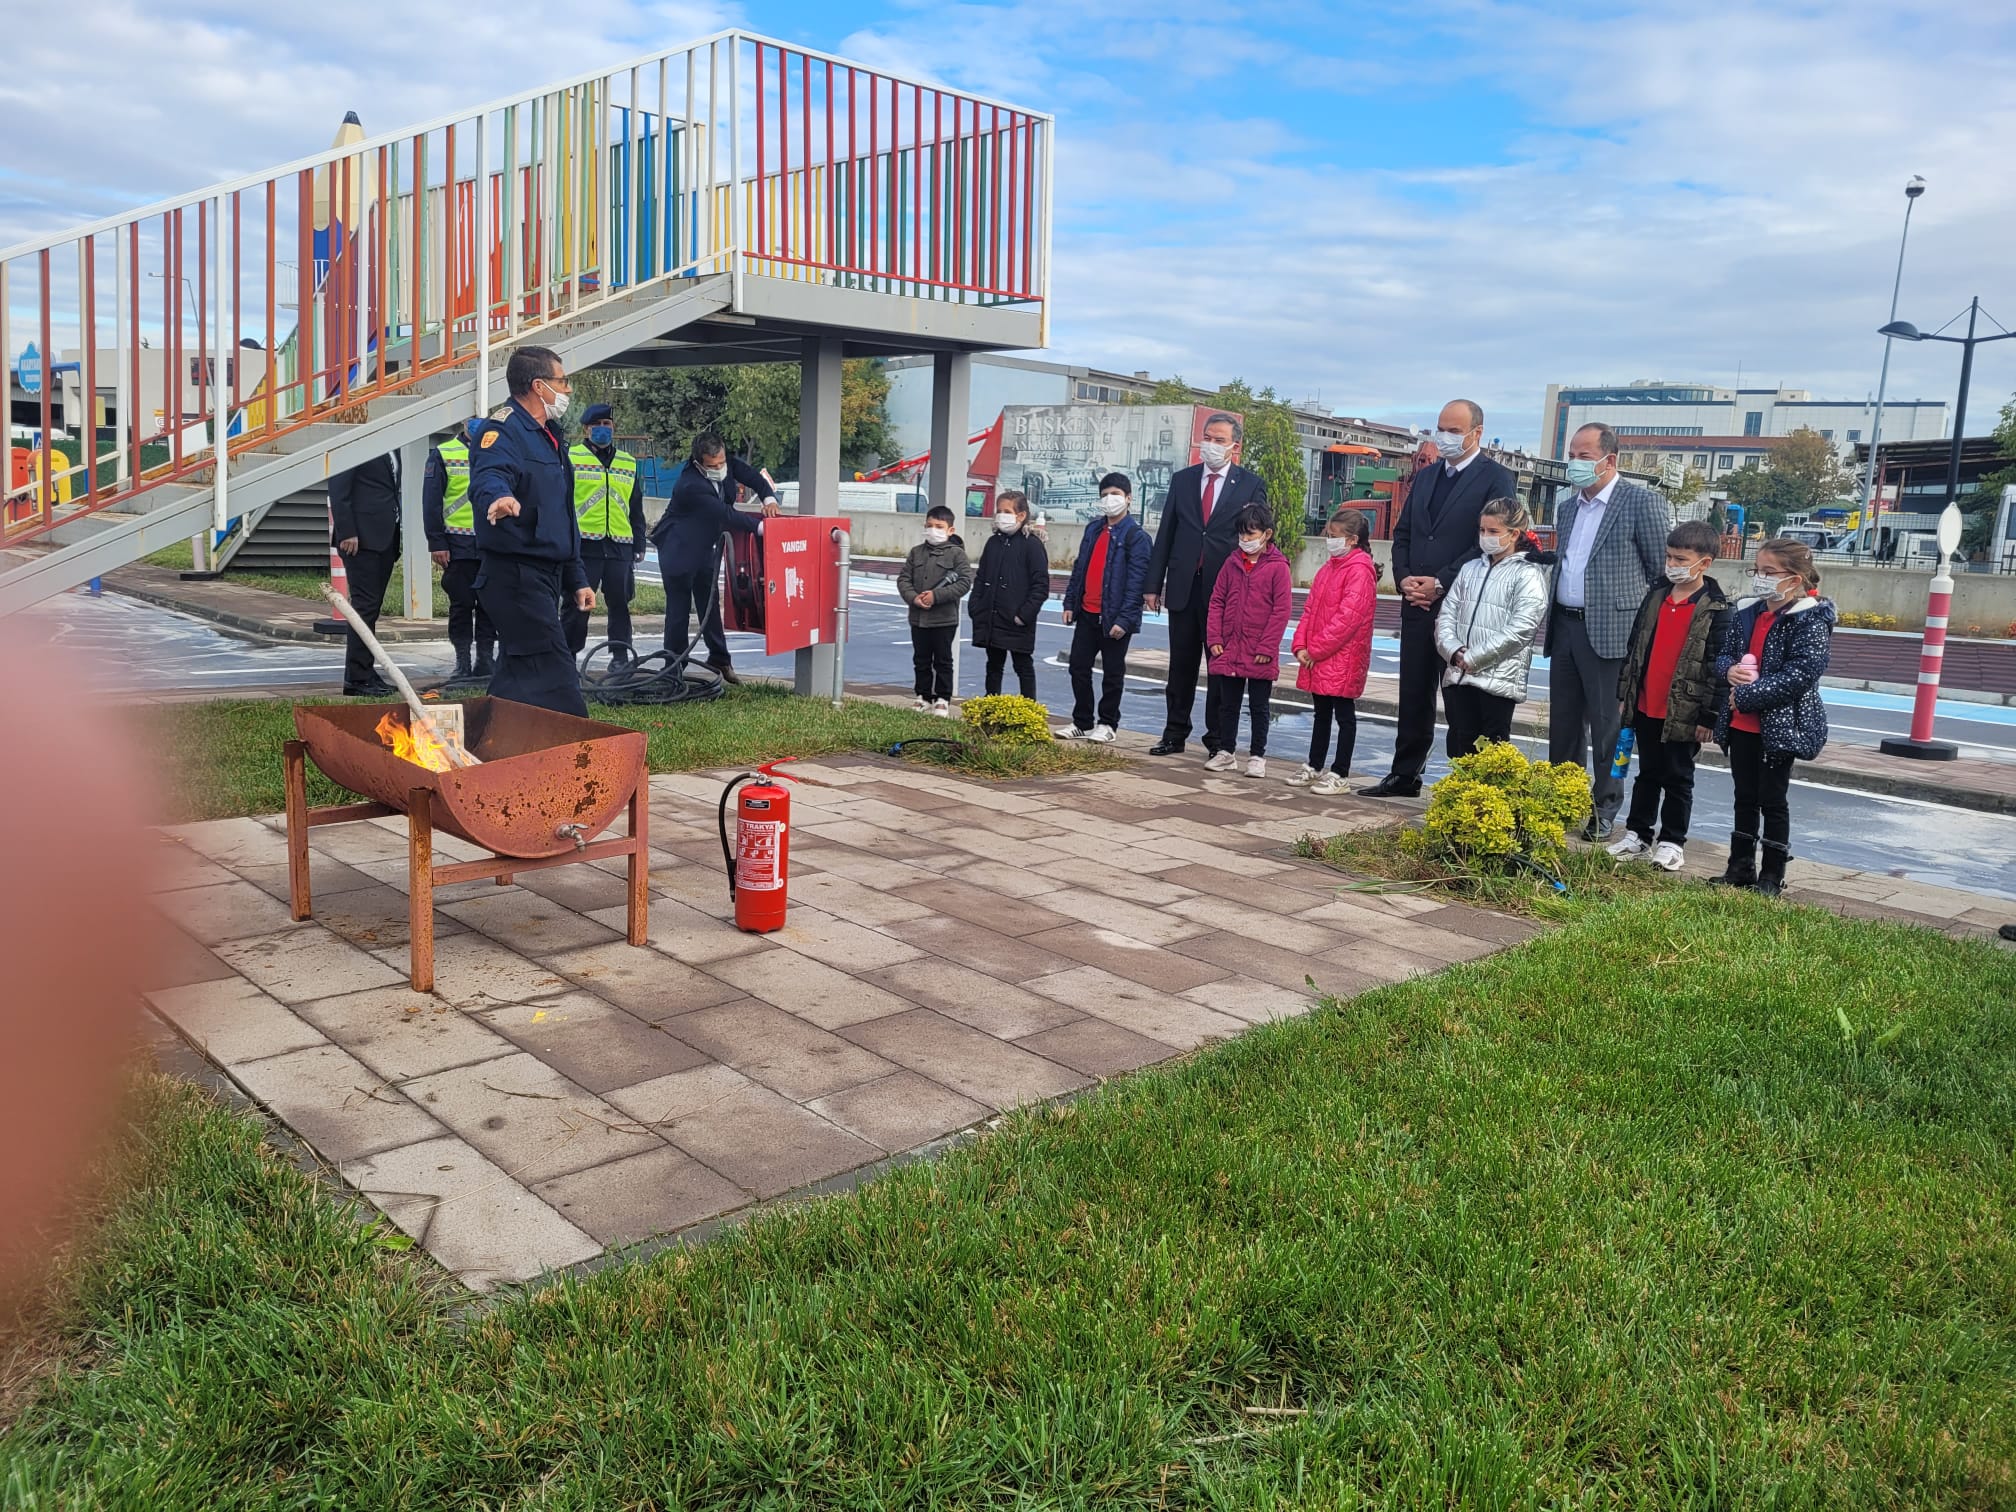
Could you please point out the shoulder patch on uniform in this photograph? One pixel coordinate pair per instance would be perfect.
(489, 439)
(502, 412)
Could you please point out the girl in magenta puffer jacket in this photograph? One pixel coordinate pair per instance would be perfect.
(1333, 644)
(1248, 617)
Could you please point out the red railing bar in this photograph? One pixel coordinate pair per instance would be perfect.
(853, 173)
(450, 210)
(757, 182)
(832, 173)
(805, 231)
(1029, 206)
(937, 184)
(418, 297)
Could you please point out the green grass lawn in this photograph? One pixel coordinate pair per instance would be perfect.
(648, 599)
(1696, 1201)
(213, 760)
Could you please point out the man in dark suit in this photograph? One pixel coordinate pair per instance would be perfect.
(688, 538)
(1434, 536)
(1195, 536)
(364, 527)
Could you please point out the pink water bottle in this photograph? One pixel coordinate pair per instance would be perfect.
(1749, 662)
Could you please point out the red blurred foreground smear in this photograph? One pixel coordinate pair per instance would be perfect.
(75, 939)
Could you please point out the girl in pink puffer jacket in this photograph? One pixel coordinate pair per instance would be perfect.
(1249, 615)
(1333, 644)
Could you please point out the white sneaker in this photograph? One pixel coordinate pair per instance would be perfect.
(1224, 761)
(942, 708)
(1668, 857)
(922, 705)
(1327, 785)
(1630, 848)
(1256, 766)
(1071, 732)
(1303, 778)
(1102, 734)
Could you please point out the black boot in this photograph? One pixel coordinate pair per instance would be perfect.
(461, 660)
(1742, 868)
(484, 668)
(1771, 876)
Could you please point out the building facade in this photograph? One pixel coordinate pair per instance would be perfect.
(1699, 419)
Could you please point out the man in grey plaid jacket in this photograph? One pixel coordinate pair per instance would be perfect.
(1610, 543)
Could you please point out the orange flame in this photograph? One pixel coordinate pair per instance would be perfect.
(421, 747)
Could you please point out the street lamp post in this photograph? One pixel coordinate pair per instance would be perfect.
(1920, 745)
(1912, 190)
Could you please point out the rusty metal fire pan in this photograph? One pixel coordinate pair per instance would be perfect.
(547, 781)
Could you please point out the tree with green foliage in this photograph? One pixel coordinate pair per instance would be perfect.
(1171, 390)
(1810, 473)
(1979, 506)
(754, 406)
(1273, 449)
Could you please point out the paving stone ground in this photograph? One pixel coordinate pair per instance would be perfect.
(954, 949)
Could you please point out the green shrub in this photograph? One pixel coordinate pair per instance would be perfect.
(1008, 720)
(1496, 809)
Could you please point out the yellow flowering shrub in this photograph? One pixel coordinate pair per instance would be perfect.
(1008, 719)
(1495, 804)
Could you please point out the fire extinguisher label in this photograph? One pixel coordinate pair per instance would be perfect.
(756, 847)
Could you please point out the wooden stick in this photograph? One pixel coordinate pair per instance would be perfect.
(420, 889)
(443, 722)
(294, 762)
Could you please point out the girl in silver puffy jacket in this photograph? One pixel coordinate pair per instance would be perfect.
(1485, 630)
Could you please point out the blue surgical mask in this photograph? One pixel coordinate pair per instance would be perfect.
(601, 435)
(1582, 472)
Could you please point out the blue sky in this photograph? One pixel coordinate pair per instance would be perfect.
(1384, 204)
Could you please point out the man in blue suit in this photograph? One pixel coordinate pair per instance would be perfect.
(688, 539)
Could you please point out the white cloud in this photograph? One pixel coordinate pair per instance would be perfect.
(1686, 189)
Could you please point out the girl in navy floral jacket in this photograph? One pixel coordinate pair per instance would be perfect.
(1773, 659)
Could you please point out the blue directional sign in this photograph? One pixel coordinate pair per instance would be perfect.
(29, 370)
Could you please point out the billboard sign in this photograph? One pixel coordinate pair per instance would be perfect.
(1056, 453)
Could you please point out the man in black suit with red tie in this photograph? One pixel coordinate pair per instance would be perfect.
(1434, 536)
(1195, 537)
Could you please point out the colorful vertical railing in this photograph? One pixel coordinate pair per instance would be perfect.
(239, 313)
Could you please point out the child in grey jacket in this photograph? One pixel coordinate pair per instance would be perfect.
(935, 576)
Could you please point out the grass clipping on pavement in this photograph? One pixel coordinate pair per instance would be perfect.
(222, 759)
(1696, 1200)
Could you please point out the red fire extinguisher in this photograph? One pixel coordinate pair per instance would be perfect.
(759, 862)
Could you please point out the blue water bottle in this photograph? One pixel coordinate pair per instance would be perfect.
(1621, 762)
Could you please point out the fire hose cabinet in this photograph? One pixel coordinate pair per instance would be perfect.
(784, 581)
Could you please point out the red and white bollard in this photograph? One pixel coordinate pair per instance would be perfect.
(1919, 744)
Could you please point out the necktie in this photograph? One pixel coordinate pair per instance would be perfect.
(1210, 494)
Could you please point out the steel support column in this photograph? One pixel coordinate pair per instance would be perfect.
(419, 567)
(951, 422)
(818, 476)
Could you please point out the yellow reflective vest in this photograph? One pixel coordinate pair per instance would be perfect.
(602, 495)
(456, 512)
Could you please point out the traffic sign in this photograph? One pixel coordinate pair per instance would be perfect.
(29, 370)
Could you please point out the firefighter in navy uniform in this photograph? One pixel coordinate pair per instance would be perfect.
(611, 518)
(451, 541)
(522, 486)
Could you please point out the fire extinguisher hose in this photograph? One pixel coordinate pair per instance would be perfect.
(727, 850)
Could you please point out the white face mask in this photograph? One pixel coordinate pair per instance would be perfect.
(1679, 575)
(1252, 545)
(1115, 505)
(556, 403)
(1213, 454)
(1450, 444)
(1007, 524)
(715, 474)
(937, 535)
(1767, 585)
(1491, 545)
(1338, 545)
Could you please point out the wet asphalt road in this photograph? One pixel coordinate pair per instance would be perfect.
(1902, 837)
